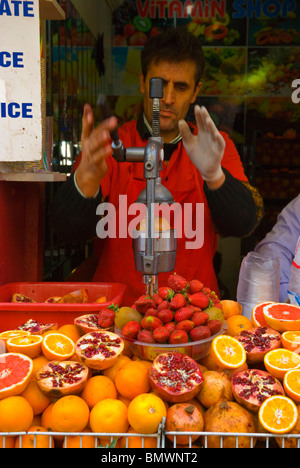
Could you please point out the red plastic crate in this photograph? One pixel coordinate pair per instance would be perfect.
(14, 314)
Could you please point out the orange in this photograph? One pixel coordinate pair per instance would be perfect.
(70, 414)
(33, 440)
(132, 380)
(237, 323)
(137, 441)
(228, 352)
(71, 331)
(57, 346)
(291, 383)
(98, 388)
(46, 421)
(279, 361)
(81, 441)
(7, 442)
(257, 315)
(38, 362)
(282, 317)
(145, 413)
(30, 345)
(6, 335)
(231, 308)
(111, 371)
(109, 416)
(16, 414)
(37, 399)
(278, 414)
(291, 340)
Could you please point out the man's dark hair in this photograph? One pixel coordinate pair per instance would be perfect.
(174, 45)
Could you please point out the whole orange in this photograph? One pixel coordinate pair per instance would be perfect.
(231, 308)
(81, 441)
(34, 440)
(46, 421)
(111, 371)
(37, 364)
(145, 412)
(132, 380)
(37, 399)
(70, 414)
(16, 414)
(70, 331)
(109, 416)
(7, 442)
(98, 388)
(237, 323)
(137, 441)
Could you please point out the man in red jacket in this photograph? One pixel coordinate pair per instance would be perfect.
(201, 166)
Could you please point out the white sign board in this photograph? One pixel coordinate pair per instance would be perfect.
(20, 81)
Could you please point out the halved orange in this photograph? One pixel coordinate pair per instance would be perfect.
(57, 346)
(291, 340)
(228, 352)
(6, 335)
(279, 361)
(278, 414)
(282, 317)
(257, 315)
(291, 384)
(30, 345)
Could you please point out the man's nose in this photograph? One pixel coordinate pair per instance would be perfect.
(168, 94)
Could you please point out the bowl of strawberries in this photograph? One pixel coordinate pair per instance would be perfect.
(183, 316)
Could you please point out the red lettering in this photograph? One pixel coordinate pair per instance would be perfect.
(175, 9)
(218, 8)
(197, 10)
(161, 5)
(143, 10)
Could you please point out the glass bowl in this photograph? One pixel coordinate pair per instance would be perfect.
(149, 351)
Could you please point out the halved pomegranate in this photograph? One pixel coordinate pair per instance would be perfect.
(176, 377)
(258, 341)
(17, 297)
(60, 378)
(99, 349)
(88, 323)
(37, 328)
(252, 387)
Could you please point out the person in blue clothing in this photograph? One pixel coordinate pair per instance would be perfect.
(281, 242)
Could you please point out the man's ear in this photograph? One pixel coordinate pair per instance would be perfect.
(142, 83)
(196, 92)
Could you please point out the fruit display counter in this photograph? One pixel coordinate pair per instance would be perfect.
(86, 380)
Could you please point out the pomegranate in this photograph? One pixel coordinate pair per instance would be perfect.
(99, 350)
(60, 378)
(228, 417)
(36, 328)
(176, 377)
(88, 323)
(17, 297)
(216, 387)
(258, 341)
(252, 387)
(184, 417)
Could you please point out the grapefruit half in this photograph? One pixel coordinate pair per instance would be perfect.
(15, 372)
(282, 317)
(257, 315)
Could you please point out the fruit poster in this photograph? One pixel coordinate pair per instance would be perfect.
(20, 82)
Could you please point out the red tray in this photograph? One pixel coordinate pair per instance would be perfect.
(14, 314)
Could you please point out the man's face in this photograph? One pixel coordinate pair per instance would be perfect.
(180, 90)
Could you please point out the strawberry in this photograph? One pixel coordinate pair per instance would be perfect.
(199, 300)
(200, 318)
(186, 325)
(151, 311)
(199, 333)
(177, 282)
(194, 308)
(170, 326)
(131, 329)
(161, 334)
(195, 286)
(145, 336)
(165, 315)
(178, 336)
(178, 301)
(214, 326)
(165, 293)
(106, 318)
(157, 299)
(143, 303)
(164, 305)
(150, 322)
(185, 313)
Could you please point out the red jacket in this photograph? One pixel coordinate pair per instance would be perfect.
(180, 176)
